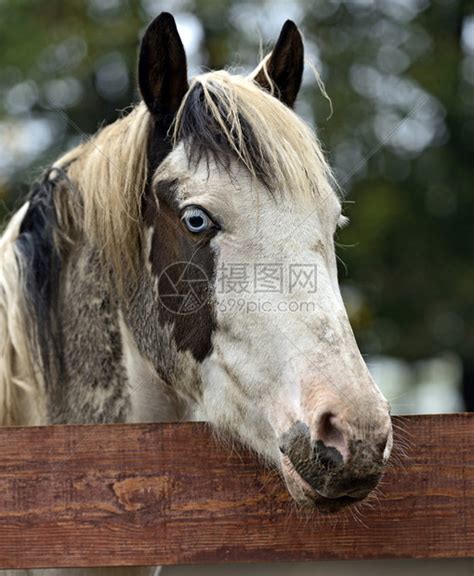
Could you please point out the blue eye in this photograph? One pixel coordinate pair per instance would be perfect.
(196, 220)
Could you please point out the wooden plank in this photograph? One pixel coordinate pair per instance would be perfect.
(170, 494)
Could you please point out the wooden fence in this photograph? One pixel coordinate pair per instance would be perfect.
(124, 495)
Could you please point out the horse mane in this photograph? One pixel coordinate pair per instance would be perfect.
(20, 377)
(110, 173)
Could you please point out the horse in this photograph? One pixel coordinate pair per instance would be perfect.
(180, 265)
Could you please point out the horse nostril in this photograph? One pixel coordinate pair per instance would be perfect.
(313, 459)
(328, 457)
(329, 432)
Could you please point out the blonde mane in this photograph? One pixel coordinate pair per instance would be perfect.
(222, 114)
(110, 173)
(22, 393)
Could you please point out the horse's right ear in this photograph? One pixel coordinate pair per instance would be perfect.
(162, 70)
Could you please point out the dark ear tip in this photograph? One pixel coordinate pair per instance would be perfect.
(289, 27)
(290, 24)
(290, 34)
(164, 21)
(164, 17)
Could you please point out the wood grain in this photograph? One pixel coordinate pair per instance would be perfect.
(170, 494)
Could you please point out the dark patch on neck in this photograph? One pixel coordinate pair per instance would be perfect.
(178, 259)
(41, 267)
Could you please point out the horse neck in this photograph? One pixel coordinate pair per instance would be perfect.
(110, 377)
(152, 399)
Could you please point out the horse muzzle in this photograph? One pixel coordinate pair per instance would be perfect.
(331, 477)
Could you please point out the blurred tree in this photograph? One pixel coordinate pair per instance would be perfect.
(65, 68)
(401, 78)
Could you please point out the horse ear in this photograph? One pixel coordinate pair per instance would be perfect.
(162, 70)
(284, 66)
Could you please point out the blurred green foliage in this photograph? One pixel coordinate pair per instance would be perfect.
(400, 74)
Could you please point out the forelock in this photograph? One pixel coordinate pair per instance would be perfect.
(228, 116)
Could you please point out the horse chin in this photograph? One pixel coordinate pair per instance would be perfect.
(307, 497)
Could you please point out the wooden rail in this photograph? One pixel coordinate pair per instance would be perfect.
(170, 494)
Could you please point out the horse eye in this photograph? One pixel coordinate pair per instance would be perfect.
(196, 220)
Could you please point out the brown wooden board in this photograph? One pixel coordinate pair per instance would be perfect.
(171, 494)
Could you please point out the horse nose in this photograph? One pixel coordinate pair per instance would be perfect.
(333, 460)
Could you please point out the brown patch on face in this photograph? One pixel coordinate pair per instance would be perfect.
(183, 265)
